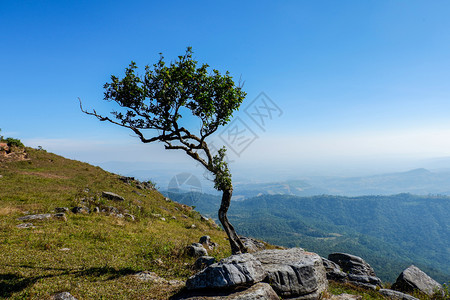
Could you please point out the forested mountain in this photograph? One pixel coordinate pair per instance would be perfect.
(390, 232)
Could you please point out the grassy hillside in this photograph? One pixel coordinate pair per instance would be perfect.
(91, 255)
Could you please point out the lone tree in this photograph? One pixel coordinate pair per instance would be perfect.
(153, 105)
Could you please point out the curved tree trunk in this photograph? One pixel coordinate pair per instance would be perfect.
(236, 244)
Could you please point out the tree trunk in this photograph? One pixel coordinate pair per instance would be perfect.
(237, 247)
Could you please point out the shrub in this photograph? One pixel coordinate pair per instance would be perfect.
(14, 142)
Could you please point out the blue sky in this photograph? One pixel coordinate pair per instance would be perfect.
(361, 85)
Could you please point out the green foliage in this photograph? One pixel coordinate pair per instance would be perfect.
(222, 179)
(14, 142)
(155, 100)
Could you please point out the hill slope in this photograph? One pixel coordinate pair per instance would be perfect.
(91, 255)
(390, 232)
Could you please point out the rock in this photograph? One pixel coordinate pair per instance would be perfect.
(156, 215)
(61, 209)
(252, 244)
(173, 218)
(334, 271)
(112, 210)
(371, 280)
(64, 249)
(294, 272)
(204, 219)
(112, 196)
(345, 296)
(60, 216)
(396, 295)
(26, 225)
(193, 226)
(352, 264)
(259, 291)
(203, 262)
(196, 250)
(236, 270)
(35, 217)
(184, 216)
(96, 209)
(163, 219)
(207, 243)
(129, 217)
(413, 278)
(63, 296)
(81, 210)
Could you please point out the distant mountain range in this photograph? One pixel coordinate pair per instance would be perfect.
(418, 181)
(390, 232)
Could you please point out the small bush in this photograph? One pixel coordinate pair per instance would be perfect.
(14, 142)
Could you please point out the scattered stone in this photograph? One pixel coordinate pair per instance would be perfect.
(294, 272)
(137, 193)
(412, 278)
(60, 216)
(156, 215)
(364, 279)
(236, 270)
(345, 296)
(184, 216)
(334, 271)
(154, 278)
(112, 196)
(1, 176)
(64, 249)
(167, 199)
(26, 225)
(173, 218)
(96, 209)
(204, 219)
(163, 219)
(81, 210)
(35, 217)
(63, 296)
(352, 264)
(61, 209)
(193, 226)
(207, 243)
(252, 244)
(203, 262)
(129, 217)
(396, 295)
(196, 250)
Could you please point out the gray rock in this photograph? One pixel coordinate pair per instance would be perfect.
(96, 209)
(396, 295)
(207, 243)
(252, 244)
(61, 209)
(196, 250)
(372, 280)
(294, 272)
(112, 196)
(112, 210)
(345, 296)
(203, 262)
(236, 270)
(259, 291)
(413, 278)
(35, 217)
(334, 271)
(63, 296)
(81, 210)
(60, 216)
(26, 225)
(352, 264)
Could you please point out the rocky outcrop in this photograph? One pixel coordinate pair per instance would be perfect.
(350, 268)
(413, 278)
(252, 245)
(35, 217)
(233, 271)
(203, 262)
(352, 264)
(294, 272)
(63, 296)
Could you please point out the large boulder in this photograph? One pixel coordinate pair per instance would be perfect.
(334, 271)
(259, 291)
(352, 264)
(412, 278)
(236, 270)
(294, 272)
(112, 196)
